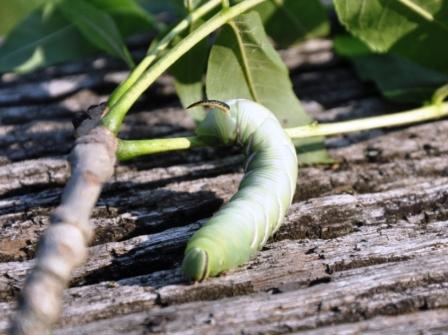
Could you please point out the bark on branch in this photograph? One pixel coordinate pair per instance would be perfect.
(64, 244)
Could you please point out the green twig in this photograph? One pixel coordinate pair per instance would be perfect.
(132, 149)
(155, 50)
(188, 4)
(384, 121)
(117, 112)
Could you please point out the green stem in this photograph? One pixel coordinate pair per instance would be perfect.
(132, 149)
(155, 50)
(189, 5)
(117, 112)
(384, 121)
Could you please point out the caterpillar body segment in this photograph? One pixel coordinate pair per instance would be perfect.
(243, 225)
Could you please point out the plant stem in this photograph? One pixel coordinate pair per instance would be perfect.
(64, 243)
(188, 4)
(132, 149)
(155, 50)
(117, 112)
(384, 121)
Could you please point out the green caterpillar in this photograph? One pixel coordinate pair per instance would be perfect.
(255, 212)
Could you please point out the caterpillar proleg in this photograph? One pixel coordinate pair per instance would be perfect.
(243, 225)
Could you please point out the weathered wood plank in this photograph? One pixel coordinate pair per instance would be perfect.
(410, 144)
(282, 266)
(325, 217)
(352, 295)
(56, 88)
(424, 322)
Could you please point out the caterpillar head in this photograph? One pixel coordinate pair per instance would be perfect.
(195, 264)
(218, 127)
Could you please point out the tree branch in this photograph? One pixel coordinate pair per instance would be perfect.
(64, 245)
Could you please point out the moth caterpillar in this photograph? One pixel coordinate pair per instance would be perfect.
(243, 225)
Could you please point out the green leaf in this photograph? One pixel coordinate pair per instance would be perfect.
(243, 64)
(292, 21)
(12, 12)
(128, 15)
(96, 26)
(398, 79)
(188, 73)
(42, 39)
(46, 37)
(415, 29)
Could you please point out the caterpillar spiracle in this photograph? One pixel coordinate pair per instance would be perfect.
(243, 225)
